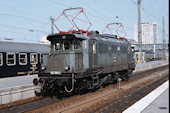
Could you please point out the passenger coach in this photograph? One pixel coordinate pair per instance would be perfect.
(20, 58)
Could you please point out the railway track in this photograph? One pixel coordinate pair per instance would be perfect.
(127, 100)
(142, 73)
(28, 105)
(41, 102)
(122, 101)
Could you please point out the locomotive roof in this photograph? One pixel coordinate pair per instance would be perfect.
(23, 47)
(68, 36)
(103, 37)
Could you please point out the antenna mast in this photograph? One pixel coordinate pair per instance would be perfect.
(163, 36)
(139, 27)
(52, 28)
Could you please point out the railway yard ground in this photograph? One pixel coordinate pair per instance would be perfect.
(115, 98)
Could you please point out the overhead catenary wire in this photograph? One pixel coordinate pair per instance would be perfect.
(22, 17)
(22, 11)
(160, 7)
(24, 28)
(101, 16)
(151, 16)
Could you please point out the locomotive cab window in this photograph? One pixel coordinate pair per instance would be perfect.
(58, 46)
(1, 59)
(33, 58)
(22, 58)
(11, 59)
(67, 45)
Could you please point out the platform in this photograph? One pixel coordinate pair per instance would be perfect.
(16, 81)
(27, 79)
(155, 102)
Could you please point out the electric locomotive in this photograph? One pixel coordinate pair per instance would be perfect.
(79, 62)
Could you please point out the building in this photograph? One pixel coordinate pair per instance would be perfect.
(151, 52)
(149, 32)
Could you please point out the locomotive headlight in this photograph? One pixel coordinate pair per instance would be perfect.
(66, 68)
(43, 68)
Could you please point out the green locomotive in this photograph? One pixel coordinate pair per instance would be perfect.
(79, 62)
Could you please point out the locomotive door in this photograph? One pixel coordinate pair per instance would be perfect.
(94, 53)
(129, 55)
(110, 57)
(118, 55)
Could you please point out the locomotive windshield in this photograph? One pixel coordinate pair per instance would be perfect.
(58, 45)
(67, 45)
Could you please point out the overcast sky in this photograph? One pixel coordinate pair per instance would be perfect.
(29, 20)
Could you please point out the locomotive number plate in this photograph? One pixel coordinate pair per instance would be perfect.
(55, 72)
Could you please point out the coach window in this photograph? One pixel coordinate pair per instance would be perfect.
(1, 59)
(22, 58)
(11, 59)
(33, 58)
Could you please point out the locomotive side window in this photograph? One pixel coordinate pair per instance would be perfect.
(114, 48)
(22, 58)
(123, 49)
(33, 58)
(76, 45)
(94, 47)
(11, 59)
(103, 48)
(1, 59)
(118, 48)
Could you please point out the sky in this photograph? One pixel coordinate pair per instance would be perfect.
(29, 20)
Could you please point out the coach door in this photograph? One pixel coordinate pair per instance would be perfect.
(34, 62)
(94, 53)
